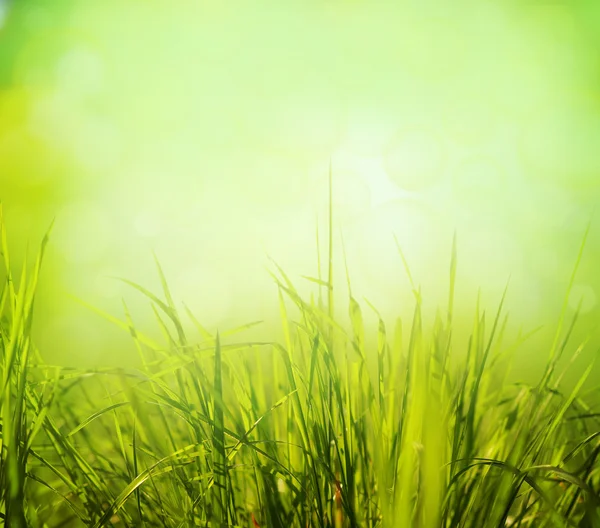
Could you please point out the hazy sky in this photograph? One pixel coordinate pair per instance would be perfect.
(204, 132)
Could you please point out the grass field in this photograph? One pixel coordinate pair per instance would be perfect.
(319, 430)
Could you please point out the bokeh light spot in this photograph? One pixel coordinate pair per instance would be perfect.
(3, 12)
(149, 224)
(80, 72)
(39, 66)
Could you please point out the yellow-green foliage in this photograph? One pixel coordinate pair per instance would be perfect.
(321, 430)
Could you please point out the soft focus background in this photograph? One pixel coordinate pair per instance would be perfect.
(204, 131)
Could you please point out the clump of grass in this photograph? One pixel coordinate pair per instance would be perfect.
(317, 431)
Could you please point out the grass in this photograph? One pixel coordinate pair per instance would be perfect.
(320, 430)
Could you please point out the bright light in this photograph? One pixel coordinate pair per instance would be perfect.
(205, 132)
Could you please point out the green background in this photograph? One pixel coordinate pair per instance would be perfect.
(204, 131)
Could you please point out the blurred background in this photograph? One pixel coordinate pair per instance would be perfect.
(204, 132)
